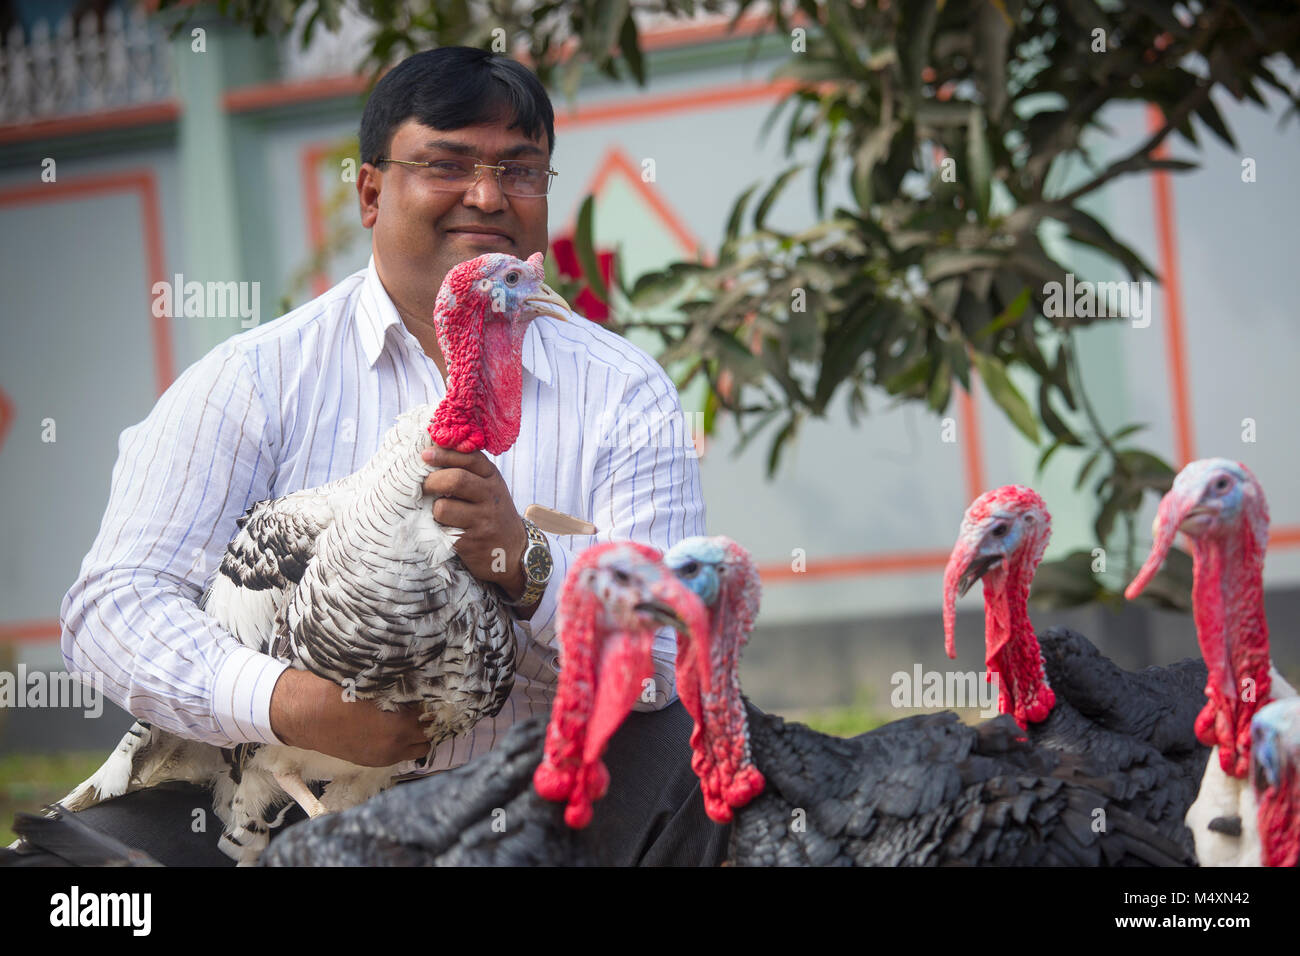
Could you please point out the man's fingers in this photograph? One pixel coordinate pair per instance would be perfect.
(477, 463)
(451, 513)
(455, 483)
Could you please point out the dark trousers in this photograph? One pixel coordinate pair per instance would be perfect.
(653, 814)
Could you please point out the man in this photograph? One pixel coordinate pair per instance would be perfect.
(305, 399)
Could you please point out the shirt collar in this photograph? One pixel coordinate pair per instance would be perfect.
(376, 314)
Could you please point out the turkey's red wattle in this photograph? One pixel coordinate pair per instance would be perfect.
(562, 776)
(602, 674)
(1228, 606)
(711, 694)
(1279, 822)
(483, 351)
(1012, 650)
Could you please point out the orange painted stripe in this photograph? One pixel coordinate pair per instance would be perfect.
(616, 160)
(1175, 339)
(892, 563)
(264, 95)
(670, 37)
(6, 416)
(279, 93)
(896, 563)
(30, 632)
(310, 167)
(1287, 536)
(145, 185)
(641, 107)
(166, 111)
(973, 446)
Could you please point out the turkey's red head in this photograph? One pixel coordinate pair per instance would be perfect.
(1275, 772)
(615, 597)
(1003, 536)
(722, 574)
(483, 310)
(1220, 509)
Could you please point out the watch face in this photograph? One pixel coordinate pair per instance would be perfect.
(538, 564)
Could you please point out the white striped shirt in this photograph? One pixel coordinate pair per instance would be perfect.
(304, 400)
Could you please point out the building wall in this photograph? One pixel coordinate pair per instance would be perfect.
(874, 508)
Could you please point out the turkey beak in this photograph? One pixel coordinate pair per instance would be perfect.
(976, 570)
(966, 565)
(1175, 507)
(663, 613)
(546, 301)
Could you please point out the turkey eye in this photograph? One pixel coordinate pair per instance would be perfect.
(1221, 484)
(1029, 519)
(621, 576)
(999, 530)
(512, 278)
(690, 569)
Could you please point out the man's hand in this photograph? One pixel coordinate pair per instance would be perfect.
(311, 712)
(473, 496)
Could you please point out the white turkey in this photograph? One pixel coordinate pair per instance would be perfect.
(1220, 508)
(528, 802)
(356, 582)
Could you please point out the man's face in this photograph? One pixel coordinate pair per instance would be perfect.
(420, 232)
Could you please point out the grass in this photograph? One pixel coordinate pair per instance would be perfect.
(849, 721)
(30, 781)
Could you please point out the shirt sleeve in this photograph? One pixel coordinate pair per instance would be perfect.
(183, 477)
(647, 490)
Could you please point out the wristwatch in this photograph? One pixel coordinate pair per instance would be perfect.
(538, 565)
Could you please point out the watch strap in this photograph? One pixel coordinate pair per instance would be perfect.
(533, 590)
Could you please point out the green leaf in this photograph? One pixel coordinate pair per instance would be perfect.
(940, 386)
(1066, 582)
(1059, 429)
(652, 288)
(941, 265)
(979, 164)
(629, 44)
(585, 248)
(769, 197)
(710, 411)
(1146, 469)
(1046, 456)
(1088, 465)
(784, 435)
(994, 376)
(1127, 430)
(737, 213)
(910, 377)
(744, 364)
(1011, 313)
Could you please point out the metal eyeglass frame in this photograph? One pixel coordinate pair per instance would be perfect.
(550, 175)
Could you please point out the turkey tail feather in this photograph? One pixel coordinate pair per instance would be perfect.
(60, 839)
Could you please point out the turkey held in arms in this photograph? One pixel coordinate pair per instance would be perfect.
(356, 582)
(504, 808)
(922, 791)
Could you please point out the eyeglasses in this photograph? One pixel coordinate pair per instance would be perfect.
(515, 177)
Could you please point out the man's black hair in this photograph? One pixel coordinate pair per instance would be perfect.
(453, 87)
